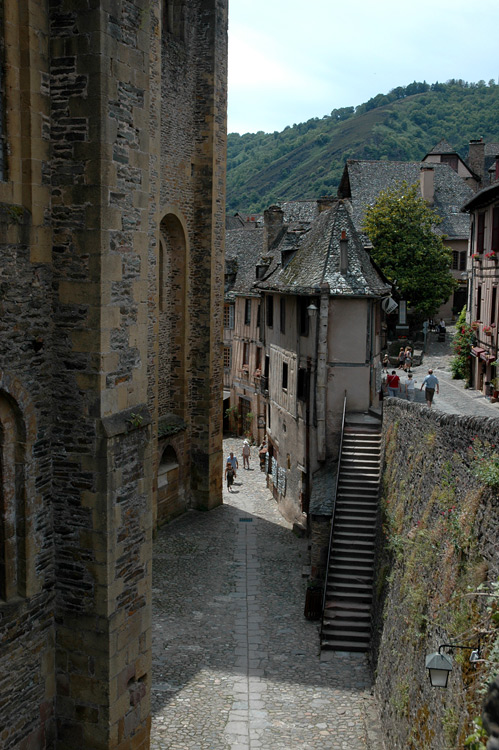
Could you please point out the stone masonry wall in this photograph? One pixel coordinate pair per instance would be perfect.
(27, 627)
(99, 174)
(193, 136)
(438, 558)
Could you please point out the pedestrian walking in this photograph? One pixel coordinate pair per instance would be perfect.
(408, 359)
(233, 462)
(430, 383)
(392, 383)
(401, 358)
(410, 387)
(229, 475)
(246, 454)
(386, 362)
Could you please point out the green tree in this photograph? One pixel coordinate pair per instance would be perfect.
(401, 227)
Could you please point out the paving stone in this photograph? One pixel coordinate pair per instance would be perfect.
(236, 666)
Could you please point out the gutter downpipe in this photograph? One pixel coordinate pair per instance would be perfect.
(334, 507)
(322, 371)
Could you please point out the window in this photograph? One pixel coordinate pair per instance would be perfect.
(458, 260)
(173, 18)
(478, 302)
(245, 355)
(303, 323)
(258, 316)
(283, 314)
(451, 160)
(493, 305)
(247, 312)
(258, 359)
(480, 233)
(301, 386)
(495, 229)
(285, 376)
(270, 310)
(228, 316)
(168, 467)
(227, 357)
(13, 547)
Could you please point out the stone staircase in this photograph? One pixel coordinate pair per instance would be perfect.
(346, 624)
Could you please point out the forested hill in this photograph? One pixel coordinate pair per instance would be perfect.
(307, 160)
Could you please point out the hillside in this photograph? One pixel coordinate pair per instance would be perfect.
(307, 160)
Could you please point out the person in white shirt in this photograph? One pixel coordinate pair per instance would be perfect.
(409, 387)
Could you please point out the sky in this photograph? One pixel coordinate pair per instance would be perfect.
(291, 60)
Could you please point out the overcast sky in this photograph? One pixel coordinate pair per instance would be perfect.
(290, 60)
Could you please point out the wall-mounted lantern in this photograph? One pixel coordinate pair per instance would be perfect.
(439, 665)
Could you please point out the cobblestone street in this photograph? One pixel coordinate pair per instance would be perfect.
(236, 666)
(454, 397)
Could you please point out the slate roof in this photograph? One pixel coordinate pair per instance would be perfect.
(243, 249)
(362, 181)
(484, 197)
(299, 211)
(491, 151)
(443, 147)
(315, 258)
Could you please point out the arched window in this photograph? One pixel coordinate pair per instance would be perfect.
(168, 467)
(173, 18)
(12, 501)
(173, 308)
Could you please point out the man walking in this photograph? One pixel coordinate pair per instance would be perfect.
(430, 382)
(392, 383)
(232, 460)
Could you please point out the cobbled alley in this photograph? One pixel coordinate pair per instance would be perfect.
(236, 666)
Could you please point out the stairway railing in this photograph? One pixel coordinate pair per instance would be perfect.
(334, 507)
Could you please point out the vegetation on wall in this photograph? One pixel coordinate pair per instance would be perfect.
(306, 160)
(462, 342)
(400, 226)
(441, 588)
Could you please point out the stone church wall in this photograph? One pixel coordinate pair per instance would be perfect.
(438, 560)
(80, 214)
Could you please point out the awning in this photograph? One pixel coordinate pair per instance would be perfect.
(476, 351)
(226, 394)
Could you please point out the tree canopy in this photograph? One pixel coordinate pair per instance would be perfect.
(401, 227)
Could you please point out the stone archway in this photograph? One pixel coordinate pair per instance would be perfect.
(173, 317)
(13, 557)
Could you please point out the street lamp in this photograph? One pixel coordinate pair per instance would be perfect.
(439, 665)
(312, 310)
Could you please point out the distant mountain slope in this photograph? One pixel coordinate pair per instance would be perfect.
(307, 160)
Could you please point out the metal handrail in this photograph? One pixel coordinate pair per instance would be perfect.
(334, 507)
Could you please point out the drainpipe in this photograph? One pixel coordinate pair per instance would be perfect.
(322, 371)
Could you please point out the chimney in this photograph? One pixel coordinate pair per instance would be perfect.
(476, 157)
(343, 252)
(326, 201)
(273, 223)
(427, 183)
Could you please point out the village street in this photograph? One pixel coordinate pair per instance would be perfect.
(236, 666)
(454, 398)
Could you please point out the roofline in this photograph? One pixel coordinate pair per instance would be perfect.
(482, 198)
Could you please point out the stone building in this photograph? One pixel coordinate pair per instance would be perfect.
(112, 178)
(243, 354)
(483, 304)
(321, 331)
